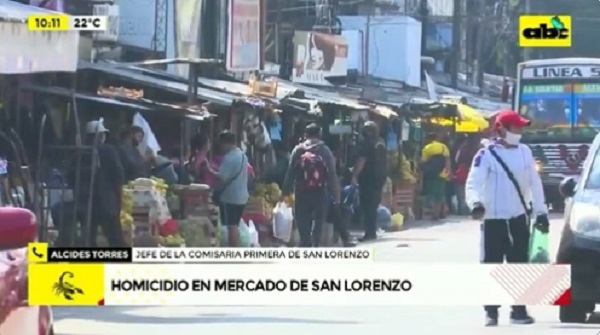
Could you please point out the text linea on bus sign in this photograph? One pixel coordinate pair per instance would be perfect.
(584, 71)
(543, 31)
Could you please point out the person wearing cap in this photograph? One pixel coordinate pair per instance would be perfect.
(370, 173)
(106, 195)
(504, 189)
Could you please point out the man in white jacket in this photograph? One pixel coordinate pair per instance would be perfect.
(504, 189)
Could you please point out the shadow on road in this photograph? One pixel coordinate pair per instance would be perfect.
(124, 315)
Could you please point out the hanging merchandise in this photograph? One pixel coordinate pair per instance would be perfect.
(262, 136)
(149, 140)
(405, 130)
(275, 128)
(391, 139)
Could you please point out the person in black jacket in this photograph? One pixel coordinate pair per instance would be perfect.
(107, 188)
(134, 164)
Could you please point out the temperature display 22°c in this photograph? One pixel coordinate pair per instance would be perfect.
(54, 22)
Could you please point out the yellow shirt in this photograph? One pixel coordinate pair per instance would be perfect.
(433, 149)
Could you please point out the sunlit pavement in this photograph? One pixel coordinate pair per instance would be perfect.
(454, 241)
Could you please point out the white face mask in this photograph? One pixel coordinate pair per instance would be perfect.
(512, 138)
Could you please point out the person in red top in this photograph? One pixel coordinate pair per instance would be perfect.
(464, 158)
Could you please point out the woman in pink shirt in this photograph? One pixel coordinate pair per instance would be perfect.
(204, 170)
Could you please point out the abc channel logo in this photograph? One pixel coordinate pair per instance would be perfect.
(545, 31)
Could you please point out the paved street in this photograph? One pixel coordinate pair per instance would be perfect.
(454, 241)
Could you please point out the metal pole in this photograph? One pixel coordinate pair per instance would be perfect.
(277, 27)
(370, 7)
(527, 51)
(481, 32)
(424, 13)
(456, 43)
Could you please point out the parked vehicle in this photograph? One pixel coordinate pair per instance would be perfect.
(561, 98)
(580, 241)
(17, 229)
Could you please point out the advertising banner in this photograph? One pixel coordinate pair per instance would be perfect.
(35, 51)
(318, 56)
(187, 29)
(243, 36)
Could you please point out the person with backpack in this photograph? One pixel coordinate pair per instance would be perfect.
(370, 173)
(504, 189)
(435, 168)
(312, 177)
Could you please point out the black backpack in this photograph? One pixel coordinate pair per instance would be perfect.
(434, 165)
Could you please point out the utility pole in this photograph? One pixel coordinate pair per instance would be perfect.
(526, 51)
(424, 13)
(277, 27)
(370, 7)
(456, 43)
(481, 33)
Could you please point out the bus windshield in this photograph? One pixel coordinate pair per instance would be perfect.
(560, 112)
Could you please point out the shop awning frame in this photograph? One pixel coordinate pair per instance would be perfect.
(138, 104)
(212, 96)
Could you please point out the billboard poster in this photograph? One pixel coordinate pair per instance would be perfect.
(318, 56)
(187, 29)
(243, 36)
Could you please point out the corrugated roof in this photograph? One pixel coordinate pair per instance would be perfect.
(14, 11)
(214, 96)
(139, 104)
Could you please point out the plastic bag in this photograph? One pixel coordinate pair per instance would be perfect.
(384, 218)
(397, 221)
(253, 235)
(244, 234)
(283, 222)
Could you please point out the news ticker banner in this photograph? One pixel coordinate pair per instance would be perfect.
(325, 283)
(42, 253)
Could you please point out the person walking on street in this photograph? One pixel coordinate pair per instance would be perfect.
(435, 158)
(311, 176)
(231, 192)
(504, 189)
(370, 173)
(464, 158)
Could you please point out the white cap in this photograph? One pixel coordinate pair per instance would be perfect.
(95, 126)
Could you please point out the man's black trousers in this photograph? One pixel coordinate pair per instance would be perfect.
(505, 241)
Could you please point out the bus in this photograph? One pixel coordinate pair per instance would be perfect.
(561, 97)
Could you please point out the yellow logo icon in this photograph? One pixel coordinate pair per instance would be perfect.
(63, 284)
(543, 31)
(37, 252)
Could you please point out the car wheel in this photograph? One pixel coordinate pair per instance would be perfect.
(573, 313)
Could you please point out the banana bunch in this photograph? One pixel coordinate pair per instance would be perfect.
(126, 219)
(392, 162)
(160, 185)
(126, 207)
(268, 192)
(171, 240)
(198, 232)
(405, 171)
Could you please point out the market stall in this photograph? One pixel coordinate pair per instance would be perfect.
(424, 118)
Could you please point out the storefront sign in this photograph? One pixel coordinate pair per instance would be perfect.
(37, 51)
(187, 28)
(243, 36)
(318, 56)
(263, 88)
(112, 33)
(583, 71)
